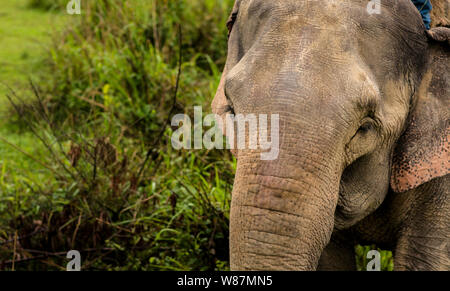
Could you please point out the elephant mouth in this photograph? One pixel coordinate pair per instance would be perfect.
(360, 194)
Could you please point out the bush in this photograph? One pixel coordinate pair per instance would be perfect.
(115, 189)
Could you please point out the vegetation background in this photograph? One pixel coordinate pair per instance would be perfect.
(85, 159)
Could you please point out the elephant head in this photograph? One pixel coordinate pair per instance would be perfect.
(363, 101)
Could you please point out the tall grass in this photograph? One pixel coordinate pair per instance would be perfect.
(99, 112)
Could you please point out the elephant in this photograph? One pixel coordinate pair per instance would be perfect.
(364, 127)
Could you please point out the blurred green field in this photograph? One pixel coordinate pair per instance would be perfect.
(24, 37)
(85, 160)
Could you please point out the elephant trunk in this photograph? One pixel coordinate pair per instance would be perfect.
(282, 213)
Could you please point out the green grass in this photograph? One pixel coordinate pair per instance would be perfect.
(25, 34)
(172, 216)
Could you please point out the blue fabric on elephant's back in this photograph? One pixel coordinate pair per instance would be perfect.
(424, 7)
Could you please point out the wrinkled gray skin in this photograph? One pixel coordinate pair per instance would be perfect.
(363, 101)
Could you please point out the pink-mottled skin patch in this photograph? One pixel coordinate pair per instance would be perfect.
(411, 174)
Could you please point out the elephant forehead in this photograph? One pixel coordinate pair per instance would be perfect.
(328, 10)
(386, 41)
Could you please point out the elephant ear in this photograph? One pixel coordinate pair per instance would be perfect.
(423, 151)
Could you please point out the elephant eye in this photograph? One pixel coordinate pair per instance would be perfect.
(366, 127)
(228, 109)
(231, 22)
